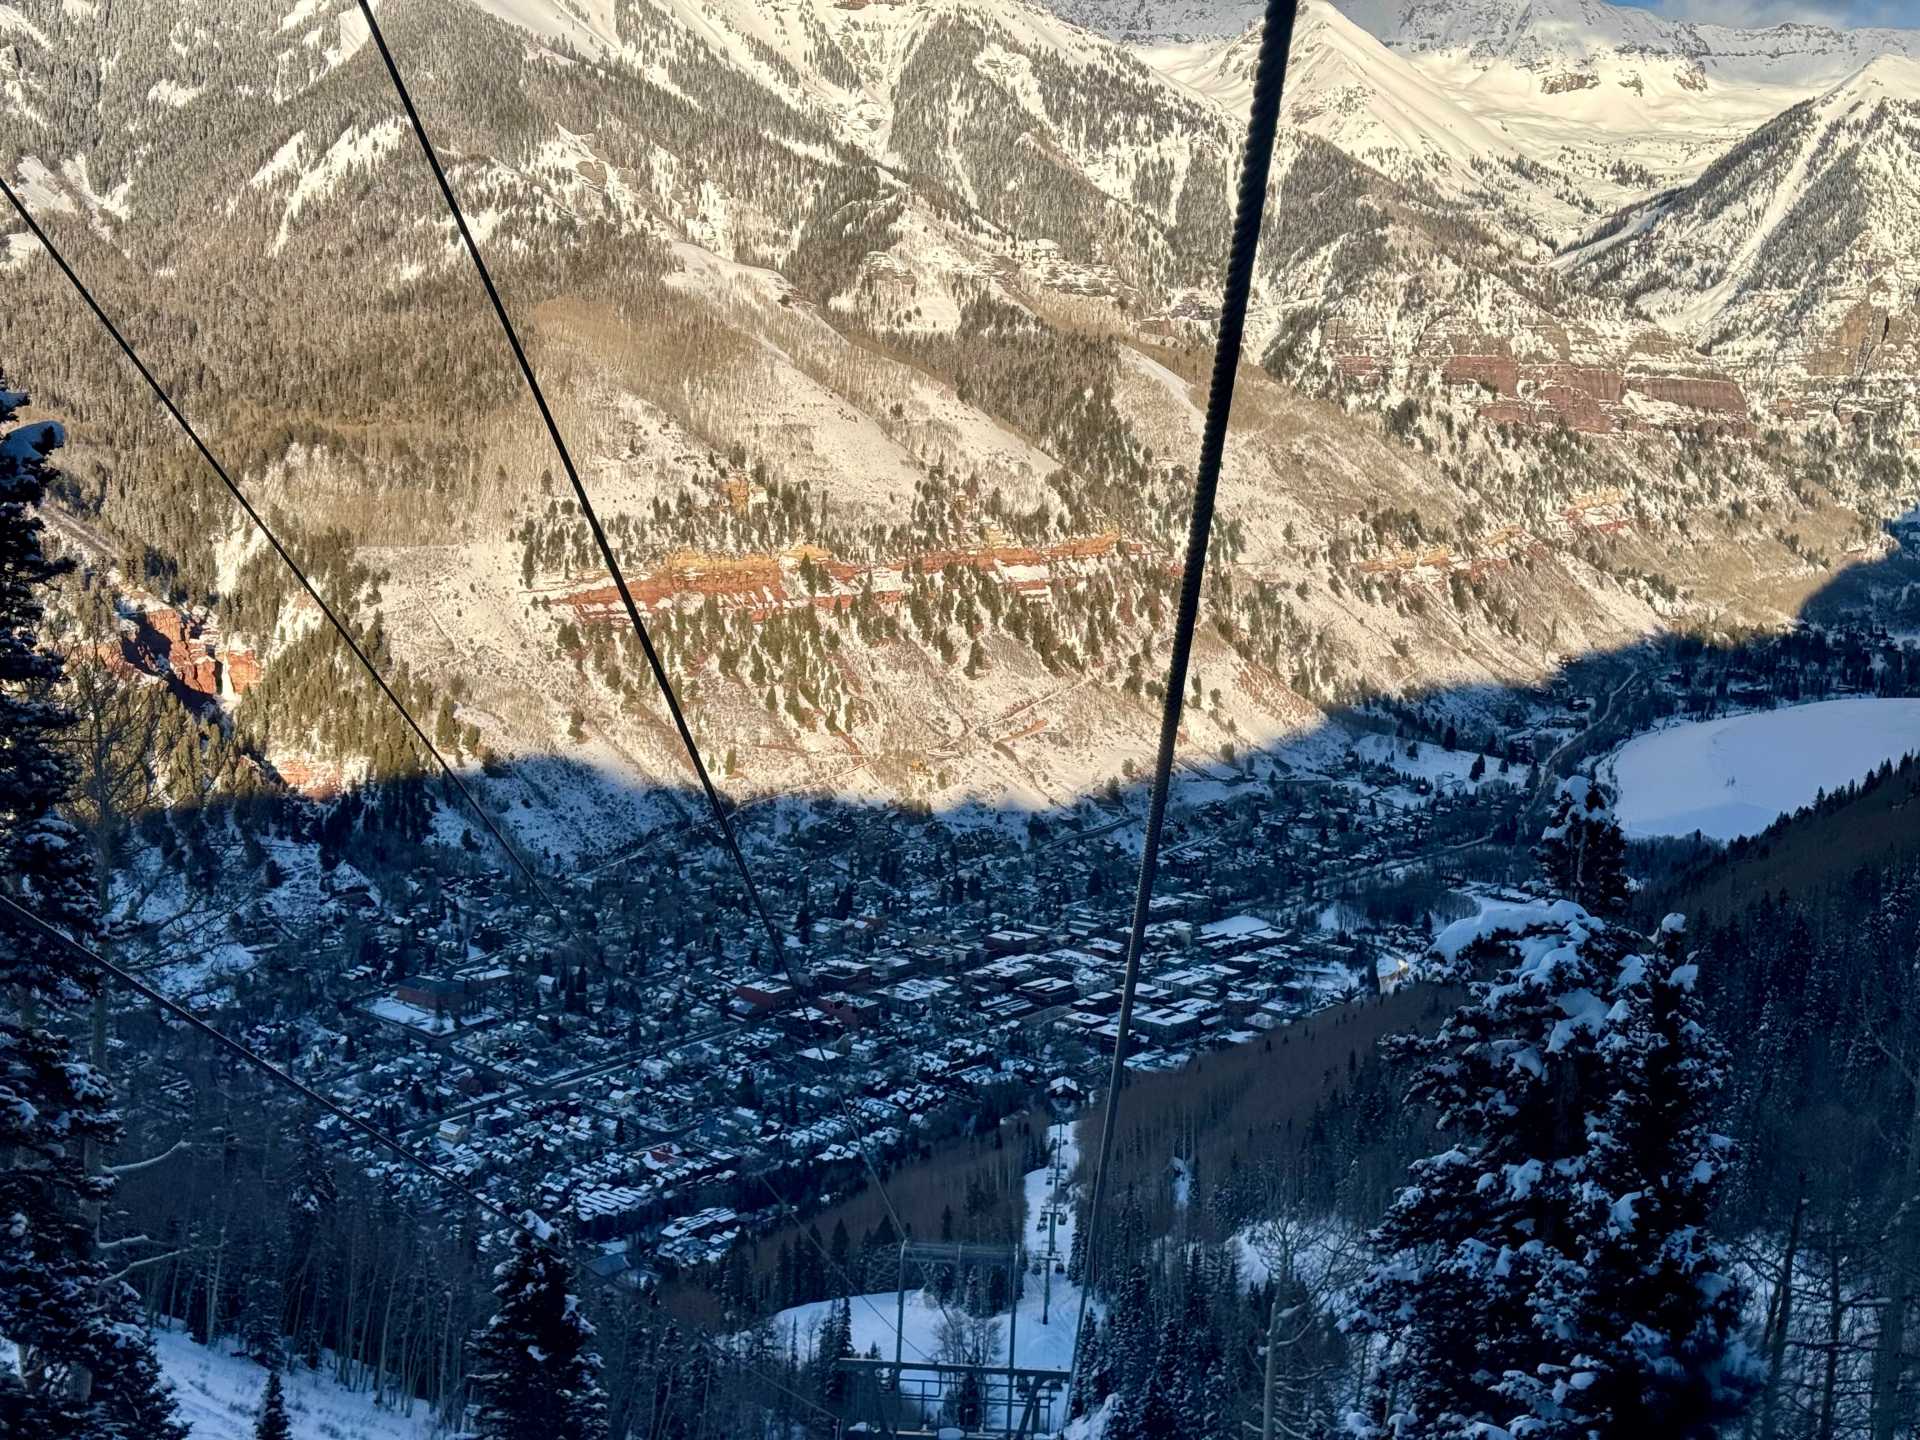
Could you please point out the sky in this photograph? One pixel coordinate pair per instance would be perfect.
(1773, 12)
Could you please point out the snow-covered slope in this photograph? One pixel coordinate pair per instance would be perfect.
(1725, 778)
(1614, 93)
(1619, 85)
(1346, 87)
(219, 1398)
(1044, 1346)
(1793, 254)
(1160, 21)
(1614, 43)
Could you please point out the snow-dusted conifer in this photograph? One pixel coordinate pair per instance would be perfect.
(535, 1373)
(1582, 852)
(45, 865)
(1092, 1370)
(273, 1423)
(833, 1344)
(1651, 1298)
(1549, 1274)
(263, 1310)
(85, 1365)
(134, 1398)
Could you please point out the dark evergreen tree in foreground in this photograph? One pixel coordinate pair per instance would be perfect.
(1582, 852)
(536, 1375)
(1550, 1274)
(135, 1398)
(833, 1344)
(273, 1423)
(85, 1363)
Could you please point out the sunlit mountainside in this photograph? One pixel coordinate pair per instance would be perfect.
(889, 398)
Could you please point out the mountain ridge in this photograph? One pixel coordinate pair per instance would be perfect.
(1534, 34)
(848, 373)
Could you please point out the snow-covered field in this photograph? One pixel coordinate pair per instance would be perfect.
(219, 1397)
(1736, 776)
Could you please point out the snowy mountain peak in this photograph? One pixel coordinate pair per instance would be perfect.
(1544, 38)
(1530, 32)
(1348, 88)
(1884, 77)
(1794, 244)
(1544, 34)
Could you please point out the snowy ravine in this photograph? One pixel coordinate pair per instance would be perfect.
(219, 1395)
(1048, 1346)
(1732, 777)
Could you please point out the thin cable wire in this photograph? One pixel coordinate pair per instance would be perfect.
(380, 1137)
(272, 539)
(765, 1379)
(132, 982)
(807, 1232)
(846, 1108)
(714, 801)
(254, 1058)
(1276, 40)
(524, 1220)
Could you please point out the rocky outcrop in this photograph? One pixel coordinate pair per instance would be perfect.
(810, 576)
(1718, 397)
(315, 779)
(243, 670)
(168, 643)
(1589, 396)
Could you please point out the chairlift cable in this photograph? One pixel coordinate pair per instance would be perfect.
(266, 530)
(356, 1122)
(525, 1220)
(1276, 40)
(714, 802)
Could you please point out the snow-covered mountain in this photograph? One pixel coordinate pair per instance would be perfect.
(1615, 43)
(1759, 180)
(1607, 91)
(843, 304)
(1148, 22)
(1552, 38)
(1347, 88)
(1792, 257)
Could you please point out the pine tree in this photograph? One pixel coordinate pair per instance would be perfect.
(535, 1374)
(1161, 1406)
(1582, 852)
(85, 1365)
(311, 1197)
(135, 1400)
(1218, 1405)
(833, 1344)
(263, 1310)
(273, 1423)
(1092, 1366)
(47, 867)
(1659, 1322)
(1129, 1337)
(1549, 1273)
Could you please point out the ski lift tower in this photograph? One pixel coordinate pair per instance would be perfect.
(918, 1398)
